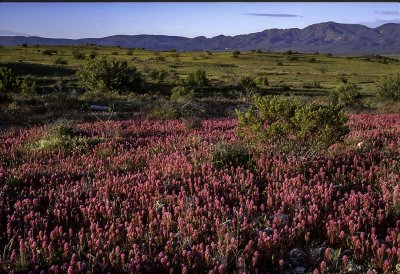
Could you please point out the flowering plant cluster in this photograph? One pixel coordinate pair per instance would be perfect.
(152, 200)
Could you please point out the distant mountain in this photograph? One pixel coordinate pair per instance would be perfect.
(11, 33)
(349, 39)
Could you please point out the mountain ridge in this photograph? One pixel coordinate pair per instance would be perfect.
(336, 38)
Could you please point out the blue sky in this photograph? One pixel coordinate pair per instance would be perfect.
(189, 19)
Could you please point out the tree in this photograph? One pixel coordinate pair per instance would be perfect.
(110, 76)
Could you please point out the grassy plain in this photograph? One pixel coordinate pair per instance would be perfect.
(308, 76)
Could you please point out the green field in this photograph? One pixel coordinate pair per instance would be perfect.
(308, 76)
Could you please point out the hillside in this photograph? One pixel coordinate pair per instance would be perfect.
(344, 39)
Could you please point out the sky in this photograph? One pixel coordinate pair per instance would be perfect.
(188, 19)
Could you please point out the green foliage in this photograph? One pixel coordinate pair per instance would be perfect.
(158, 74)
(114, 53)
(291, 58)
(159, 58)
(289, 52)
(93, 54)
(248, 87)
(224, 155)
(390, 88)
(235, 54)
(292, 127)
(181, 93)
(49, 52)
(110, 76)
(348, 94)
(197, 78)
(263, 81)
(78, 55)
(10, 83)
(60, 61)
(279, 63)
(129, 52)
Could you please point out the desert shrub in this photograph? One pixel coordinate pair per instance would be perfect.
(110, 76)
(160, 58)
(60, 61)
(93, 54)
(224, 155)
(197, 78)
(292, 127)
(312, 60)
(248, 87)
(129, 52)
(10, 83)
(114, 53)
(49, 52)
(262, 81)
(77, 54)
(289, 52)
(348, 94)
(279, 63)
(312, 84)
(235, 54)
(390, 88)
(181, 93)
(291, 58)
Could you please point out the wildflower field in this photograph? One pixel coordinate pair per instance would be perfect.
(141, 196)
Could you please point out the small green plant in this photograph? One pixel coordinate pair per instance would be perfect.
(248, 87)
(197, 78)
(390, 88)
(279, 63)
(190, 123)
(224, 155)
(93, 54)
(160, 58)
(10, 83)
(110, 76)
(114, 53)
(60, 61)
(129, 52)
(181, 93)
(78, 55)
(49, 52)
(263, 81)
(292, 127)
(348, 94)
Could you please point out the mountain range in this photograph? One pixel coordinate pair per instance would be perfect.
(327, 37)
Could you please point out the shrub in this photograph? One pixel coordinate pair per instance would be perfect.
(77, 54)
(160, 58)
(292, 58)
(279, 63)
(235, 54)
(348, 94)
(60, 61)
(312, 60)
(248, 87)
(197, 78)
(263, 81)
(390, 88)
(93, 54)
(190, 123)
(10, 83)
(48, 52)
(129, 52)
(114, 53)
(110, 76)
(292, 127)
(181, 93)
(224, 155)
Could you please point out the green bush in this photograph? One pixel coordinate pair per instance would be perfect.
(292, 127)
(77, 54)
(263, 81)
(49, 52)
(93, 54)
(224, 155)
(348, 94)
(129, 52)
(10, 83)
(60, 61)
(248, 87)
(110, 76)
(181, 93)
(197, 78)
(390, 88)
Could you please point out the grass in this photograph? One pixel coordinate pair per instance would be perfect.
(296, 77)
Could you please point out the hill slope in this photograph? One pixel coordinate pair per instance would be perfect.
(325, 37)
